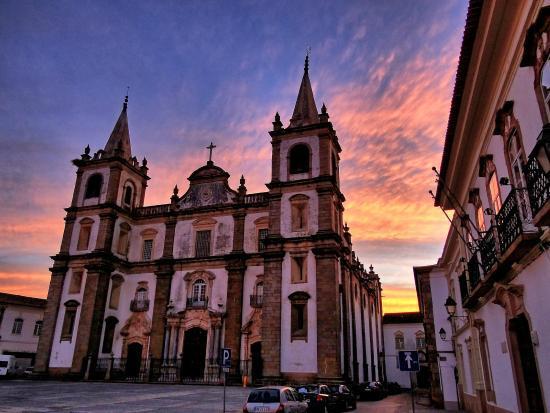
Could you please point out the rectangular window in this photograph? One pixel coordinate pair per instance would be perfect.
(76, 282)
(84, 237)
(17, 326)
(298, 321)
(123, 242)
(68, 324)
(480, 219)
(37, 328)
(202, 244)
(262, 235)
(420, 342)
(299, 269)
(147, 250)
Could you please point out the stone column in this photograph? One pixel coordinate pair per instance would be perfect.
(67, 233)
(324, 154)
(275, 214)
(353, 329)
(345, 319)
(114, 182)
(326, 209)
(234, 305)
(168, 248)
(328, 314)
(271, 315)
(45, 341)
(92, 312)
(106, 230)
(77, 187)
(162, 297)
(238, 231)
(275, 160)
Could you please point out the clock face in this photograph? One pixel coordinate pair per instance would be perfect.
(206, 194)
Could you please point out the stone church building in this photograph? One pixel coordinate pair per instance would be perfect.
(151, 293)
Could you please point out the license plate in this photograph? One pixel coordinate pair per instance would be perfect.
(261, 409)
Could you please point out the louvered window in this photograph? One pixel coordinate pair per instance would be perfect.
(147, 249)
(202, 244)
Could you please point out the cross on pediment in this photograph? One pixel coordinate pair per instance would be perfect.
(211, 148)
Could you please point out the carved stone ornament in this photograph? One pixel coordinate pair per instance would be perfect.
(510, 297)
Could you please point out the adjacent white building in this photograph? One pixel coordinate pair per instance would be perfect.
(493, 278)
(20, 327)
(404, 331)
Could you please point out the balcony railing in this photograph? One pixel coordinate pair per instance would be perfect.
(488, 251)
(474, 272)
(538, 182)
(198, 304)
(256, 301)
(463, 286)
(510, 220)
(138, 306)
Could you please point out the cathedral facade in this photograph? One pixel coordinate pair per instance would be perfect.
(154, 292)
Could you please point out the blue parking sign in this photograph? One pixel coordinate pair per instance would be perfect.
(408, 361)
(225, 358)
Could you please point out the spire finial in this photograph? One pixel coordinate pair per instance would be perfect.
(125, 105)
(306, 66)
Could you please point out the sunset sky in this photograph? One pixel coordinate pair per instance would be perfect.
(202, 71)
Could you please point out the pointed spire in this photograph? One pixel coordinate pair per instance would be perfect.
(119, 141)
(305, 111)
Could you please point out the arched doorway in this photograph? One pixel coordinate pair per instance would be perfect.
(257, 363)
(194, 353)
(133, 360)
(525, 364)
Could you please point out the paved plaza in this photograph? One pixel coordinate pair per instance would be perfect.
(30, 396)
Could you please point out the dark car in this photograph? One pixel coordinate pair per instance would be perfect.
(320, 398)
(344, 397)
(371, 391)
(393, 388)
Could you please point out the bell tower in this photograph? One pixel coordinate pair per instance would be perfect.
(305, 236)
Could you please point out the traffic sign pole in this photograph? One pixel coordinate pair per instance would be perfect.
(224, 382)
(225, 364)
(412, 390)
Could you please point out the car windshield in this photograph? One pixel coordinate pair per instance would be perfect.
(308, 389)
(264, 396)
(334, 389)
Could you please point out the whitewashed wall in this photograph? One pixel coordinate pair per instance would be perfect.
(409, 331)
(313, 142)
(286, 214)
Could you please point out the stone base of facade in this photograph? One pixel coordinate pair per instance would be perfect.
(472, 404)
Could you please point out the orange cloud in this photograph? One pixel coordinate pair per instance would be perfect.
(398, 299)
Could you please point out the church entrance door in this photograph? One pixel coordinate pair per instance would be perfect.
(527, 376)
(194, 353)
(257, 365)
(133, 360)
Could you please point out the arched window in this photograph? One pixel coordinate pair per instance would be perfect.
(399, 341)
(71, 308)
(299, 159)
(108, 337)
(93, 186)
(199, 292)
(140, 303)
(128, 195)
(420, 340)
(299, 205)
(256, 299)
(298, 315)
(116, 286)
(84, 235)
(123, 238)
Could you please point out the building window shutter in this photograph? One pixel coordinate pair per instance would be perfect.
(147, 249)
(202, 244)
(17, 326)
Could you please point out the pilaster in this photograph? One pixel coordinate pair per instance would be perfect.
(92, 313)
(162, 297)
(234, 305)
(238, 231)
(67, 233)
(55, 290)
(271, 315)
(114, 183)
(168, 249)
(77, 187)
(106, 230)
(328, 314)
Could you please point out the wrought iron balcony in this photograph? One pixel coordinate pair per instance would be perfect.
(488, 250)
(256, 301)
(138, 306)
(463, 286)
(514, 218)
(537, 175)
(474, 272)
(198, 304)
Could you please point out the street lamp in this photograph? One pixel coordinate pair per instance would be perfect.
(443, 334)
(450, 306)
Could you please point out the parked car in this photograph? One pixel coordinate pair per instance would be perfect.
(371, 391)
(393, 387)
(275, 399)
(344, 397)
(321, 399)
(28, 372)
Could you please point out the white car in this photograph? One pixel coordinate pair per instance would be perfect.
(275, 399)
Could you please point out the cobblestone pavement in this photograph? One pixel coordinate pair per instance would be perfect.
(30, 396)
